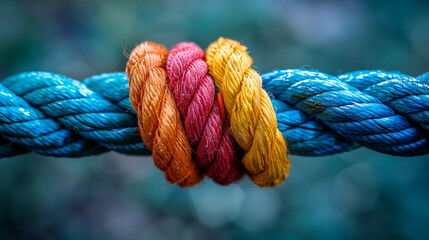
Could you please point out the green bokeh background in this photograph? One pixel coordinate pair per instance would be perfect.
(357, 195)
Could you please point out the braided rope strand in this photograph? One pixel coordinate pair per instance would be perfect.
(159, 120)
(306, 135)
(53, 115)
(354, 114)
(253, 120)
(206, 128)
(406, 95)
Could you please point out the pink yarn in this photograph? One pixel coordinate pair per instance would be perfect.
(205, 123)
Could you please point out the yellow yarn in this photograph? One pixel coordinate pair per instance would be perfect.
(253, 120)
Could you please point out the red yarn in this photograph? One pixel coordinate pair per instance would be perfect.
(204, 118)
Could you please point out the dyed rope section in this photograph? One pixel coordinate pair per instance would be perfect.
(306, 135)
(159, 119)
(53, 115)
(205, 124)
(253, 120)
(386, 112)
(406, 95)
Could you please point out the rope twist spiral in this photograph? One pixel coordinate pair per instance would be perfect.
(159, 120)
(389, 113)
(253, 120)
(54, 115)
(206, 127)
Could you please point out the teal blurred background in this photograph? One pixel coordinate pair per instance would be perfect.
(356, 195)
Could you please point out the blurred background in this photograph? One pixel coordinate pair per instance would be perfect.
(357, 195)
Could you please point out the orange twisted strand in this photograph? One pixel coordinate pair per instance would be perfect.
(159, 120)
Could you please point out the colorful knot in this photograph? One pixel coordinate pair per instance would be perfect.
(159, 120)
(317, 114)
(253, 120)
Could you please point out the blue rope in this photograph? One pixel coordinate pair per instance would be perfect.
(318, 114)
(54, 115)
(384, 111)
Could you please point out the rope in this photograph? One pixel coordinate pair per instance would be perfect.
(386, 112)
(253, 120)
(317, 114)
(159, 120)
(22, 125)
(206, 127)
(53, 115)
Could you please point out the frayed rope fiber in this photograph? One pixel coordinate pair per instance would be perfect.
(317, 114)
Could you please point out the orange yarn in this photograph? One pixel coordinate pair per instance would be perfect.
(159, 120)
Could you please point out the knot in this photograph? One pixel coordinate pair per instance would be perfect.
(206, 127)
(386, 112)
(317, 114)
(159, 120)
(253, 120)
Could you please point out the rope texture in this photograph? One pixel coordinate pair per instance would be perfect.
(384, 111)
(317, 114)
(206, 127)
(159, 121)
(53, 115)
(253, 120)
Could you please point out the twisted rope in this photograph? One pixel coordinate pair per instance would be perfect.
(159, 120)
(25, 127)
(383, 111)
(253, 120)
(53, 115)
(317, 114)
(206, 127)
